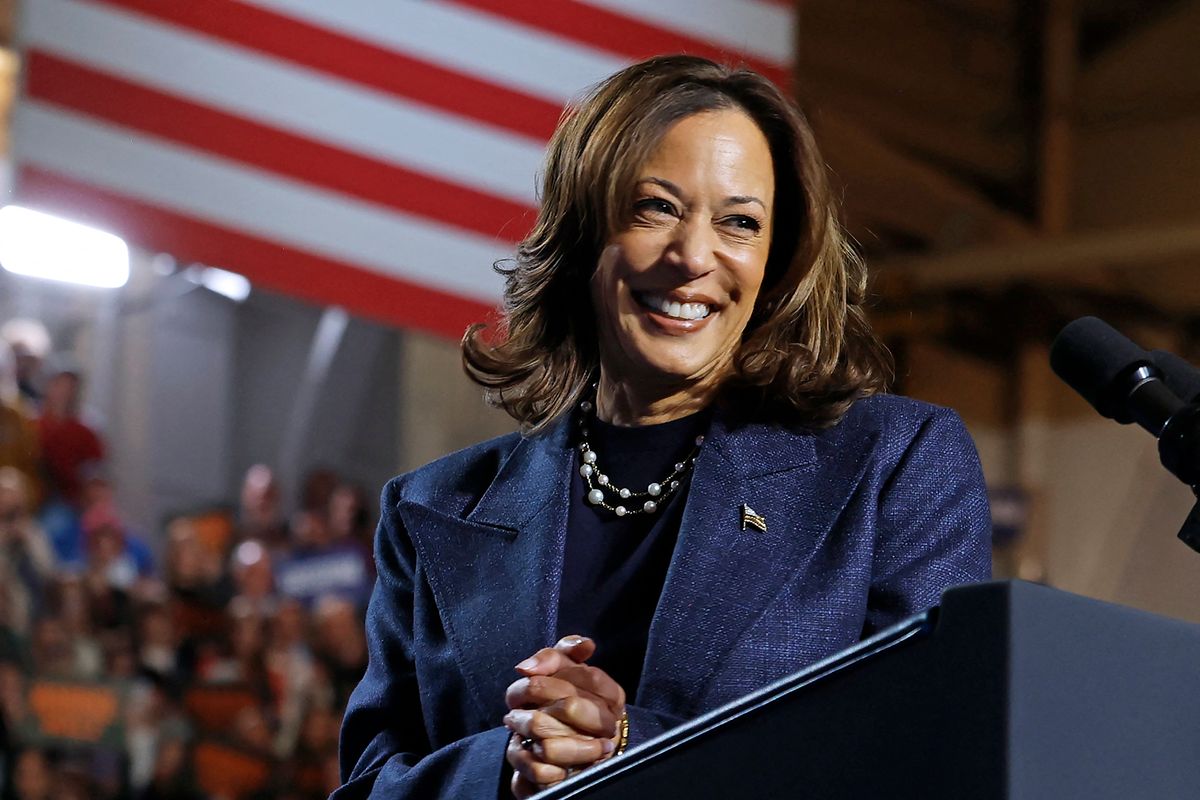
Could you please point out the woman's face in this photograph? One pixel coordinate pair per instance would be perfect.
(675, 287)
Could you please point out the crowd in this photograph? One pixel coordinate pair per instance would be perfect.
(211, 658)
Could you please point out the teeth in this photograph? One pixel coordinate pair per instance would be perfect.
(674, 309)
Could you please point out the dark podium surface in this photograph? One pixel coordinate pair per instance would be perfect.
(1009, 690)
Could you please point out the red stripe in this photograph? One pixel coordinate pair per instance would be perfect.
(356, 60)
(83, 89)
(266, 263)
(617, 33)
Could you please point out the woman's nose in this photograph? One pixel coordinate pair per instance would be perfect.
(692, 250)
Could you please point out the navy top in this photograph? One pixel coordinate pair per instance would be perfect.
(614, 567)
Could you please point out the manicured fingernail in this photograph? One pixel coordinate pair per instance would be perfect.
(571, 641)
(528, 663)
(608, 746)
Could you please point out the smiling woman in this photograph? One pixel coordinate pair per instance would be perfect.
(710, 491)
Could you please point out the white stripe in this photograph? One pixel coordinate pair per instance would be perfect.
(258, 203)
(286, 96)
(756, 29)
(466, 41)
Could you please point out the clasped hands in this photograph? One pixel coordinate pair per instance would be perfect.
(563, 714)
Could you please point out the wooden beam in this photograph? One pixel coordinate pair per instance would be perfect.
(914, 53)
(941, 92)
(1001, 157)
(1126, 249)
(8, 91)
(927, 36)
(886, 187)
(8, 22)
(1158, 63)
(1060, 47)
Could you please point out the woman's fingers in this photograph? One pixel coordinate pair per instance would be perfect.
(536, 724)
(567, 651)
(594, 681)
(541, 690)
(572, 751)
(584, 715)
(528, 767)
(522, 788)
(555, 742)
(578, 648)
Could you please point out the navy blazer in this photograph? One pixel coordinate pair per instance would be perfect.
(867, 523)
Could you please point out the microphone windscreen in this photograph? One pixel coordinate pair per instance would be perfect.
(1180, 377)
(1091, 357)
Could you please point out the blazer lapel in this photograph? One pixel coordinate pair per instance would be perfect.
(721, 578)
(495, 574)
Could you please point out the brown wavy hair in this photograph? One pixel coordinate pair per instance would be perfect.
(807, 352)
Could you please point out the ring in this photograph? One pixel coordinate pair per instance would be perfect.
(527, 743)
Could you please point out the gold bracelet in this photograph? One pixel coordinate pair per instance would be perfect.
(623, 730)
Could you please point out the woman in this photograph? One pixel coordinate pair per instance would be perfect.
(709, 493)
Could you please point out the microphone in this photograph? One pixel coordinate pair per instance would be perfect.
(1124, 382)
(1181, 377)
(1118, 378)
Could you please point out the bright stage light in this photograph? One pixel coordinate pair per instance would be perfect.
(223, 282)
(44, 246)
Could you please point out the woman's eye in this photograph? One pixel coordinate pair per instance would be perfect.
(744, 223)
(654, 205)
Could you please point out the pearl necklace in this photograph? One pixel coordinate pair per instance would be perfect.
(599, 485)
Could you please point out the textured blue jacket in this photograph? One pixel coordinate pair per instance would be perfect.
(867, 523)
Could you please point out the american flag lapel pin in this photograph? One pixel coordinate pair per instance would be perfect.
(750, 519)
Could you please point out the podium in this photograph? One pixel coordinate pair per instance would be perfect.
(1007, 690)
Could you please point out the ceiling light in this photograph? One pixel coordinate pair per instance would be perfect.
(44, 246)
(223, 282)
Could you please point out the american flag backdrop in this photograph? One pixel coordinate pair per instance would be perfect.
(374, 154)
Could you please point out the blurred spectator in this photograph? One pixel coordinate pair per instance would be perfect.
(350, 523)
(113, 551)
(156, 736)
(32, 778)
(253, 579)
(67, 443)
(319, 486)
(172, 777)
(311, 532)
(242, 659)
(291, 671)
(341, 644)
(261, 515)
(19, 446)
(74, 782)
(30, 344)
(157, 644)
(14, 705)
(193, 570)
(53, 653)
(349, 514)
(251, 731)
(26, 559)
(73, 612)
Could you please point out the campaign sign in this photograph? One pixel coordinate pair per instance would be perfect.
(76, 712)
(341, 572)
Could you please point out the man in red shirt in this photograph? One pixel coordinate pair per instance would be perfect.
(67, 443)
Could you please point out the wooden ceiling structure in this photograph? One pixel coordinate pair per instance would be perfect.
(1007, 165)
(1001, 161)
